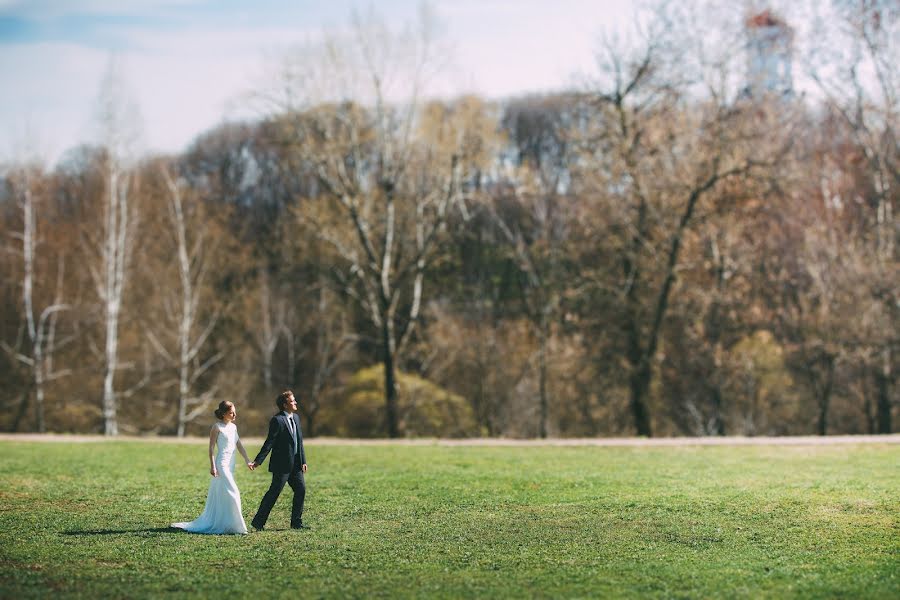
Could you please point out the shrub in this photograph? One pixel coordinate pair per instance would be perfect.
(424, 408)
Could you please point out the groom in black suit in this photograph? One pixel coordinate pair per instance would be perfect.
(288, 464)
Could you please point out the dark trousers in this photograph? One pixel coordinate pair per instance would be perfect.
(295, 480)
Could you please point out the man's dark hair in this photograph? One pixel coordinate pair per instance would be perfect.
(282, 398)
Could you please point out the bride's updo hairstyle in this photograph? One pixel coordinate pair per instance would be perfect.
(224, 407)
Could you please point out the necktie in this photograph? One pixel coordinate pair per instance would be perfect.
(292, 426)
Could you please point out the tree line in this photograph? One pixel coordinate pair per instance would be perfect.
(657, 253)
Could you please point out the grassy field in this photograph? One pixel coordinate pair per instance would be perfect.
(90, 520)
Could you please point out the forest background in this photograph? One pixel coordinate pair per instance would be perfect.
(673, 248)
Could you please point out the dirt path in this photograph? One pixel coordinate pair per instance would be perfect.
(653, 442)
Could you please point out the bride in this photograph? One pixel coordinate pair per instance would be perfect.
(222, 513)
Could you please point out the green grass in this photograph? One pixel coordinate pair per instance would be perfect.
(89, 520)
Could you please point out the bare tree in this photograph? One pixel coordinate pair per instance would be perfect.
(388, 170)
(190, 328)
(669, 136)
(40, 323)
(332, 345)
(536, 228)
(854, 64)
(111, 248)
(270, 327)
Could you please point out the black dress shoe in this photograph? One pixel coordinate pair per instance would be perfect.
(257, 527)
(300, 526)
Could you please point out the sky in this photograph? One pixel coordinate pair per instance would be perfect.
(190, 64)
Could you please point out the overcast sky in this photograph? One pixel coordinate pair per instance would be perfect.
(188, 62)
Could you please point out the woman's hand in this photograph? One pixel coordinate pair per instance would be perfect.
(213, 472)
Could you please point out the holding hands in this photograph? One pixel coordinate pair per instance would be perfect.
(251, 465)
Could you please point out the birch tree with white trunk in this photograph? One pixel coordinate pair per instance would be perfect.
(185, 332)
(271, 327)
(333, 343)
(111, 248)
(40, 323)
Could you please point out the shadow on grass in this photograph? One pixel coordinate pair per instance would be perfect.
(80, 532)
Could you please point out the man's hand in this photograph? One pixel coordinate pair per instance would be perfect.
(303, 467)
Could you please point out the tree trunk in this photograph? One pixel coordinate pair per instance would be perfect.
(310, 416)
(390, 385)
(110, 419)
(587, 418)
(822, 424)
(484, 407)
(29, 233)
(883, 386)
(187, 319)
(714, 336)
(718, 424)
(868, 408)
(542, 379)
(639, 376)
(20, 414)
(268, 338)
(39, 406)
(825, 397)
(183, 391)
(114, 257)
(183, 367)
(110, 423)
(640, 384)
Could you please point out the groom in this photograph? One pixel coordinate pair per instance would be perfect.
(288, 463)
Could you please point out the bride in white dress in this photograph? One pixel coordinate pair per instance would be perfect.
(222, 513)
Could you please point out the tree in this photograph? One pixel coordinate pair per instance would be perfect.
(425, 409)
(854, 65)
(389, 172)
(668, 137)
(536, 220)
(40, 323)
(112, 244)
(271, 326)
(192, 311)
(331, 344)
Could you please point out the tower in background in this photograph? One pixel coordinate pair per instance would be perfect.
(769, 52)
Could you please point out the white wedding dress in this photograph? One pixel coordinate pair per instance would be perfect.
(222, 513)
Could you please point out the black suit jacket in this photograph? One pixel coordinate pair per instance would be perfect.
(281, 443)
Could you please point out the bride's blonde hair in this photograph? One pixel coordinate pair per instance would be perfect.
(224, 407)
